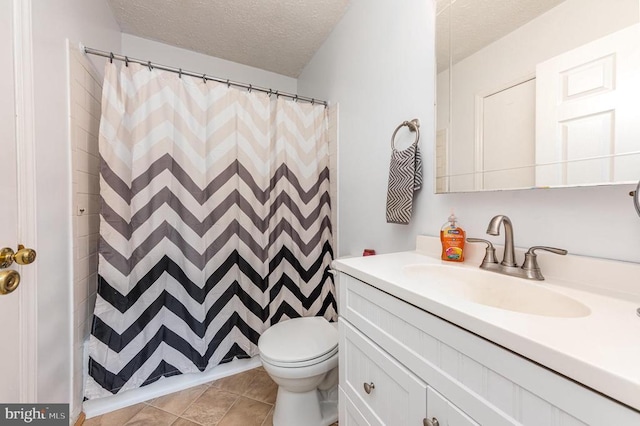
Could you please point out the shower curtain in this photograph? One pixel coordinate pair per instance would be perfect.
(215, 224)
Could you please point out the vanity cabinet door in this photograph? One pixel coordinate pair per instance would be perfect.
(384, 391)
(349, 413)
(445, 413)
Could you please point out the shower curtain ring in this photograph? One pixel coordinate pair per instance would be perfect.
(270, 91)
(228, 83)
(126, 61)
(313, 101)
(295, 99)
(204, 78)
(149, 65)
(250, 88)
(277, 94)
(180, 73)
(111, 57)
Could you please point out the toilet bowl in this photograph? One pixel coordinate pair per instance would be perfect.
(301, 356)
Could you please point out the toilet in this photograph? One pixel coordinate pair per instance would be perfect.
(301, 356)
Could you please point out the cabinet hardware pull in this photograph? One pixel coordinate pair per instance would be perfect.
(368, 387)
(432, 422)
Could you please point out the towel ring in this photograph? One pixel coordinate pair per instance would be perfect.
(413, 125)
(636, 200)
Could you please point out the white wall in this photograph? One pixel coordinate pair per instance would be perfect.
(165, 54)
(504, 62)
(53, 23)
(379, 65)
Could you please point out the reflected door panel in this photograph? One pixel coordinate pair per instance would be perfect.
(587, 99)
(589, 95)
(442, 161)
(507, 149)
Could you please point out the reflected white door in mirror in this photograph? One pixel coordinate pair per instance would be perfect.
(539, 95)
(587, 109)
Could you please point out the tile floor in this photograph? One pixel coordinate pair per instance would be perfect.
(245, 399)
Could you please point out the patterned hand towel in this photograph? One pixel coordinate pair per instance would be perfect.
(405, 177)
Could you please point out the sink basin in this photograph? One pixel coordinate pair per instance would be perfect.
(498, 291)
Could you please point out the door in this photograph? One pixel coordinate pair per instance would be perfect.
(9, 303)
(442, 161)
(508, 140)
(16, 344)
(349, 414)
(587, 107)
(382, 390)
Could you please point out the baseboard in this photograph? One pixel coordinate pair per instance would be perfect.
(81, 418)
(97, 407)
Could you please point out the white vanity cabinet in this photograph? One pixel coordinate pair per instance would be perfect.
(444, 412)
(400, 365)
(383, 390)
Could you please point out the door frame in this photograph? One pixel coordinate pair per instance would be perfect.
(26, 193)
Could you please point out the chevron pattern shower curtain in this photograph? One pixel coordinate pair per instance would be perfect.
(215, 224)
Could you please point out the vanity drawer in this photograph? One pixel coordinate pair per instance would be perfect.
(381, 389)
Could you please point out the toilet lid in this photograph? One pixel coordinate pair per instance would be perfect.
(298, 340)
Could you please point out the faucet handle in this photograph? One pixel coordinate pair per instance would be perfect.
(531, 260)
(490, 254)
(533, 249)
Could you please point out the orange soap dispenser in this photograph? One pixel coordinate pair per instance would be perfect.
(452, 237)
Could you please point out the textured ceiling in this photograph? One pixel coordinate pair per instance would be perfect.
(274, 35)
(477, 23)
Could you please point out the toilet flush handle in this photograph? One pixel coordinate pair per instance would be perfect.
(368, 387)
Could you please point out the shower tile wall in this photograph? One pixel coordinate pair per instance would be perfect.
(85, 95)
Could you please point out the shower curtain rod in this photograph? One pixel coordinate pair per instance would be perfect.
(112, 56)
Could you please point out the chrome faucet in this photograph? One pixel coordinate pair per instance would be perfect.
(530, 268)
(509, 258)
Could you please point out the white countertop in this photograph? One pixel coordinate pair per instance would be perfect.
(601, 350)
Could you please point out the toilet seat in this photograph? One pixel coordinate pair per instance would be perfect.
(299, 342)
(306, 363)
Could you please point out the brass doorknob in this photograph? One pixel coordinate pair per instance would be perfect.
(23, 256)
(9, 281)
(6, 257)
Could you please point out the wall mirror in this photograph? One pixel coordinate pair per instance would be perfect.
(537, 93)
